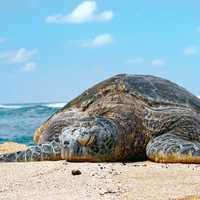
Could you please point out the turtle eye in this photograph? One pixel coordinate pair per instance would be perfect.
(86, 138)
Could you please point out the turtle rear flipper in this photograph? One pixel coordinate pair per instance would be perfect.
(173, 148)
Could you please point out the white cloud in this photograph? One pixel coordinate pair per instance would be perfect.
(28, 67)
(99, 41)
(84, 12)
(18, 56)
(134, 61)
(158, 63)
(191, 50)
(2, 40)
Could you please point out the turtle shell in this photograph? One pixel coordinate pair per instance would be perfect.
(152, 89)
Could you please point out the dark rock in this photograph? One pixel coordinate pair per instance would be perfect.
(76, 172)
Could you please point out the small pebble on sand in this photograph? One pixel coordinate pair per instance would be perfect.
(76, 172)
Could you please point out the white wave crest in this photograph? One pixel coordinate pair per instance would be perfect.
(55, 105)
(11, 106)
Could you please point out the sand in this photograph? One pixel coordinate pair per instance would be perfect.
(10, 147)
(134, 181)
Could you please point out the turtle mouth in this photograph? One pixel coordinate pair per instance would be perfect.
(86, 140)
(74, 151)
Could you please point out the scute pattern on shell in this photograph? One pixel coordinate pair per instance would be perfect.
(154, 90)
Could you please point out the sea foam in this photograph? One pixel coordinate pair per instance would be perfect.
(49, 105)
(11, 106)
(55, 105)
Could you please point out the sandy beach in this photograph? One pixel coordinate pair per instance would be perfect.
(140, 180)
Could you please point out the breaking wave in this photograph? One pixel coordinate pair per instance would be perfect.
(17, 106)
(55, 105)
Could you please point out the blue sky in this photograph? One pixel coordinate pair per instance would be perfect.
(51, 50)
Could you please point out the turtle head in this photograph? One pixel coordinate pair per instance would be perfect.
(93, 140)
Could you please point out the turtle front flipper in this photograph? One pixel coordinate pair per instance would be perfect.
(41, 152)
(173, 148)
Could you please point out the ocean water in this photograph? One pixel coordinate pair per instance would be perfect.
(19, 122)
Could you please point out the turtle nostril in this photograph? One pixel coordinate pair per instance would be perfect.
(66, 143)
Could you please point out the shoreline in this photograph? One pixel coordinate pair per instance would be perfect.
(139, 180)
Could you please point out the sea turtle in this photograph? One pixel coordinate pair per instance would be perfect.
(124, 118)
